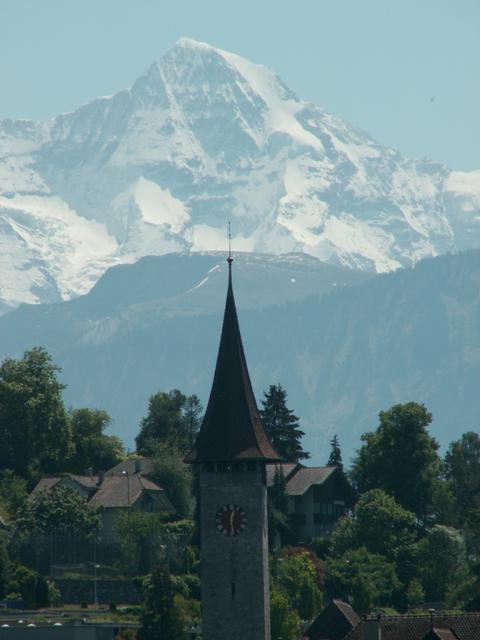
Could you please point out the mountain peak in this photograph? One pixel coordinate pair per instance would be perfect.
(202, 137)
(189, 43)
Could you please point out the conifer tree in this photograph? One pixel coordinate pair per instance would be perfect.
(335, 458)
(281, 425)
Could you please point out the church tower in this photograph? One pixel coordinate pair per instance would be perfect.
(231, 453)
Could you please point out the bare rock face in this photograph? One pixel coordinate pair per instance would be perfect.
(205, 136)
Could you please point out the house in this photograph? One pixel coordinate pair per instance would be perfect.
(338, 621)
(116, 494)
(316, 497)
(124, 487)
(334, 622)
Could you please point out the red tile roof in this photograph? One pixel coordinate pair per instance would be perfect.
(466, 626)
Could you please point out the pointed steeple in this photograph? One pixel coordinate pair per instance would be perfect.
(231, 429)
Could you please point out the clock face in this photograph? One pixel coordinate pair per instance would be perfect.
(231, 520)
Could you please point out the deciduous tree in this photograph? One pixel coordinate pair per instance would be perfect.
(92, 448)
(462, 469)
(161, 619)
(400, 458)
(173, 419)
(34, 426)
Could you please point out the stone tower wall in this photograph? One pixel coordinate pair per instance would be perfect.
(235, 581)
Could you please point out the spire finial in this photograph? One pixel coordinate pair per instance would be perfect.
(229, 259)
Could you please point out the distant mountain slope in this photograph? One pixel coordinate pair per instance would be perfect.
(345, 345)
(202, 137)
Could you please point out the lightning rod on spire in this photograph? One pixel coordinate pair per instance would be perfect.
(229, 259)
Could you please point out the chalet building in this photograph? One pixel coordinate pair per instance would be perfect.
(125, 486)
(316, 497)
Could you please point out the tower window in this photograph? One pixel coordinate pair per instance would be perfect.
(233, 589)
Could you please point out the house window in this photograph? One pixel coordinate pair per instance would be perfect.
(317, 494)
(299, 519)
(298, 504)
(317, 518)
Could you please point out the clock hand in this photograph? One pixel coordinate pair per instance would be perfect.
(232, 515)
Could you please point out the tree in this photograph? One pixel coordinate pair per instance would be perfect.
(60, 511)
(442, 561)
(13, 492)
(277, 509)
(462, 469)
(173, 419)
(284, 622)
(296, 576)
(34, 428)
(91, 447)
(175, 477)
(381, 526)
(365, 578)
(415, 593)
(335, 458)
(161, 619)
(281, 425)
(53, 524)
(400, 458)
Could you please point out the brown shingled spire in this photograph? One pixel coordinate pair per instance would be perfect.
(231, 429)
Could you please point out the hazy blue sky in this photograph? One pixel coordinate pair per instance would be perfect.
(406, 71)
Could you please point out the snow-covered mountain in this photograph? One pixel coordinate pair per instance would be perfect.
(205, 136)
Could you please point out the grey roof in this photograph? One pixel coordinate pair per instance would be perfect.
(286, 467)
(123, 490)
(145, 466)
(45, 484)
(305, 477)
(348, 611)
(117, 489)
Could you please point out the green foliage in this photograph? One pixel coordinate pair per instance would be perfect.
(444, 505)
(60, 511)
(382, 525)
(335, 457)
(366, 579)
(4, 566)
(441, 561)
(460, 595)
(54, 595)
(31, 586)
(91, 447)
(13, 492)
(296, 577)
(400, 457)
(173, 420)
(278, 527)
(146, 541)
(34, 427)
(284, 622)
(162, 618)
(281, 425)
(415, 593)
(175, 477)
(462, 468)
